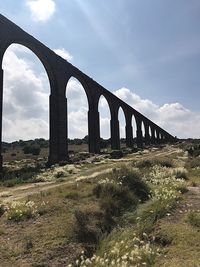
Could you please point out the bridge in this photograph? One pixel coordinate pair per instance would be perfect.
(59, 71)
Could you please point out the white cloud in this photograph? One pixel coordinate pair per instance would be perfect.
(41, 10)
(173, 117)
(26, 94)
(64, 54)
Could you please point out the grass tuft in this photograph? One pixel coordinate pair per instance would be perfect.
(194, 218)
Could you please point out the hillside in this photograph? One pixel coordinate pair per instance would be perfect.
(140, 210)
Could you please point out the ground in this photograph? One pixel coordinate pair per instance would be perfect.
(48, 239)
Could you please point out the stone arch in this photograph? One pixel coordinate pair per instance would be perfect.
(143, 129)
(157, 135)
(83, 84)
(77, 110)
(134, 128)
(122, 125)
(105, 117)
(37, 51)
(28, 94)
(149, 130)
(57, 133)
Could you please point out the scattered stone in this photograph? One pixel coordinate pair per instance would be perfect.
(116, 154)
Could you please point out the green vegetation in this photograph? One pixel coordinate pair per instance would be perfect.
(25, 174)
(23, 210)
(105, 214)
(194, 218)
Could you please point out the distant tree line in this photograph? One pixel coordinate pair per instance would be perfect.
(34, 146)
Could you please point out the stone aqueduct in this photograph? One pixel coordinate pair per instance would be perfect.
(59, 72)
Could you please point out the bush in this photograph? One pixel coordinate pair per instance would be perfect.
(115, 198)
(132, 179)
(59, 174)
(32, 149)
(18, 211)
(194, 218)
(2, 209)
(116, 154)
(11, 177)
(148, 163)
(151, 212)
(193, 163)
(181, 173)
(87, 227)
(72, 195)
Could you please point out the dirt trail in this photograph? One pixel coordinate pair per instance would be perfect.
(23, 191)
(190, 203)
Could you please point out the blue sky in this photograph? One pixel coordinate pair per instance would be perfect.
(145, 50)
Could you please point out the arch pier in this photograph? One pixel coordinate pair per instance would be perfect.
(59, 71)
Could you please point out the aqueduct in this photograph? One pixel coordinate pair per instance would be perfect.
(59, 72)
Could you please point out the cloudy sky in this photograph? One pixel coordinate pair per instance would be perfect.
(145, 52)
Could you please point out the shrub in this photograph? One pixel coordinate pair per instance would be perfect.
(148, 163)
(150, 213)
(59, 174)
(25, 174)
(133, 181)
(180, 173)
(87, 228)
(2, 209)
(24, 210)
(115, 199)
(18, 211)
(32, 149)
(194, 218)
(72, 195)
(116, 154)
(126, 250)
(193, 163)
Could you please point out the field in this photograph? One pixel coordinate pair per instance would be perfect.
(140, 210)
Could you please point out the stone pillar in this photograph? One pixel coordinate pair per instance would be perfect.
(1, 109)
(162, 139)
(139, 137)
(94, 130)
(114, 126)
(147, 136)
(129, 134)
(157, 138)
(153, 138)
(58, 150)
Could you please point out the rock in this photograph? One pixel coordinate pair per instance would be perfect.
(116, 154)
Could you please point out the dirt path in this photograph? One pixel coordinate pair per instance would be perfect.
(23, 191)
(190, 203)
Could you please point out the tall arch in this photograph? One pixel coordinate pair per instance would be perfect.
(77, 110)
(134, 127)
(143, 131)
(26, 90)
(38, 51)
(104, 121)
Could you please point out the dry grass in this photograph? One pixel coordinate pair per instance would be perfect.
(50, 239)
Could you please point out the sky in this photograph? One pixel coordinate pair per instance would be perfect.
(145, 52)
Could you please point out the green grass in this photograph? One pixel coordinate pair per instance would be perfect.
(194, 218)
(183, 249)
